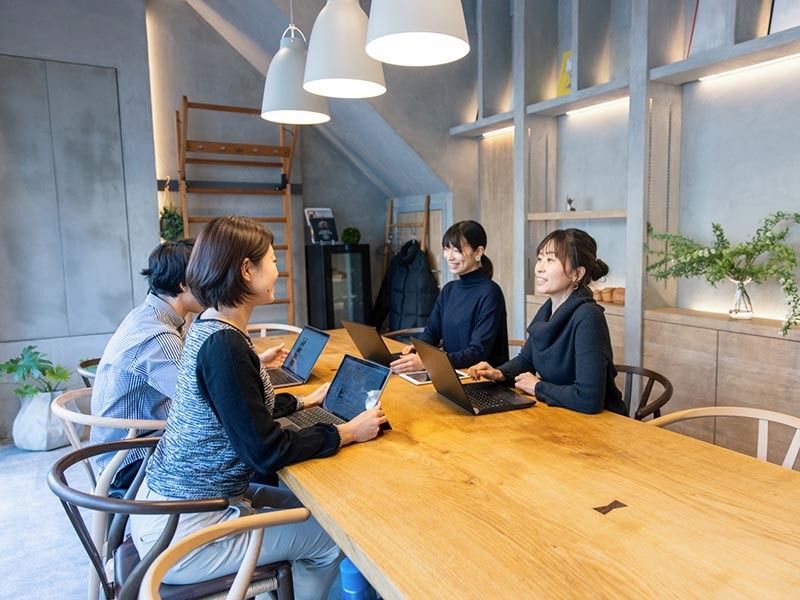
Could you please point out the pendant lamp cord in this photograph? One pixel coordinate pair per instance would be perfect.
(292, 28)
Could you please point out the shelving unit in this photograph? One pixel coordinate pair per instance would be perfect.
(585, 98)
(651, 178)
(478, 128)
(739, 56)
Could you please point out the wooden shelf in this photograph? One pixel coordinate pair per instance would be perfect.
(746, 54)
(478, 128)
(578, 215)
(599, 94)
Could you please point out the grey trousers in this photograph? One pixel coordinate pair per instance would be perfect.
(313, 554)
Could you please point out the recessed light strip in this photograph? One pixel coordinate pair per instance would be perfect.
(597, 106)
(496, 132)
(747, 68)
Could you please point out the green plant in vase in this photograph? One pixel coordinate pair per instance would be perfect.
(38, 380)
(764, 257)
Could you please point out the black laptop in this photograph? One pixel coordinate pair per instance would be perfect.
(476, 398)
(370, 343)
(301, 359)
(357, 386)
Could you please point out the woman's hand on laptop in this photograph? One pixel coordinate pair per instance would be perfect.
(364, 427)
(273, 357)
(408, 363)
(316, 397)
(485, 370)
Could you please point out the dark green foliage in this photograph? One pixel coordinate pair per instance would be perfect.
(351, 235)
(171, 223)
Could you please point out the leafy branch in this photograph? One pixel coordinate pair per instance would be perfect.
(765, 257)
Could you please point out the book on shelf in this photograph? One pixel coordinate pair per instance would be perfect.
(565, 74)
(323, 230)
(321, 225)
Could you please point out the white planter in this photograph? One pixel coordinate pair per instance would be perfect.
(36, 427)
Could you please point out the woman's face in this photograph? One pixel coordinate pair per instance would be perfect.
(263, 276)
(551, 276)
(463, 261)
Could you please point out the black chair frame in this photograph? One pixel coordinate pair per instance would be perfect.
(645, 408)
(121, 509)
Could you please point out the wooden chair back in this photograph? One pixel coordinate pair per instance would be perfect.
(645, 407)
(764, 417)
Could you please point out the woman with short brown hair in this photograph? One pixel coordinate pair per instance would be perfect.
(221, 428)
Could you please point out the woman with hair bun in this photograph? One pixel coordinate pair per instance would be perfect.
(567, 360)
(469, 316)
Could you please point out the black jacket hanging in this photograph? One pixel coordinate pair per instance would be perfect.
(408, 291)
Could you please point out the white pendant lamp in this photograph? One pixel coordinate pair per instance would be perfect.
(337, 65)
(417, 33)
(285, 100)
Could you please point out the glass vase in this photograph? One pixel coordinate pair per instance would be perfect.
(742, 308)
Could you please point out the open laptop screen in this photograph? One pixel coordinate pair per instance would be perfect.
(305, 351)
(357, 382)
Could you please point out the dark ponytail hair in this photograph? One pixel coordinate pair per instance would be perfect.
(473, 234)
(576, 248)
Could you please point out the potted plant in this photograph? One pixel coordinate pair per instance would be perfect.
(171, 224)
(766, 256)
(39, 380)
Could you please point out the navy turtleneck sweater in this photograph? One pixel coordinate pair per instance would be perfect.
(470, 319)
(570, 351)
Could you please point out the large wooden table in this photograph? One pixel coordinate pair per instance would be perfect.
(449, 505)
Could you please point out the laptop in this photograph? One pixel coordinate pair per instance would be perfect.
(297, 365)
(476, 398)
(370, 343)
(357, 386)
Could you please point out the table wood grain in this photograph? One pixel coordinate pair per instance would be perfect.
(448, 505)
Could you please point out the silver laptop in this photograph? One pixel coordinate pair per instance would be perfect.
(476, 398)
(300, 361)
(370, 343)
(357, 386)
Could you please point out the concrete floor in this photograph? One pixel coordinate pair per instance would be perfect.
(40, 555)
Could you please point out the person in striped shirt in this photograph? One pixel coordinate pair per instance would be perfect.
(138, 372)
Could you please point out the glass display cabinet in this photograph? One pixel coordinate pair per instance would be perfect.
(339, 284)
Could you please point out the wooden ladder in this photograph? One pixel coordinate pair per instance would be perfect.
(204, 152)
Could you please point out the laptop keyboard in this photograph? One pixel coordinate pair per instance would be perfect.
(483, 399)
(312, 416)
(278, 377)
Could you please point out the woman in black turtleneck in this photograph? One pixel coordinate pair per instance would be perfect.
(469, 317)
(567, 359)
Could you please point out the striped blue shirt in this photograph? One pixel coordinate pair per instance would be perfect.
(139, 370)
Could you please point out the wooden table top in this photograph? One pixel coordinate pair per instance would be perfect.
(449, 505)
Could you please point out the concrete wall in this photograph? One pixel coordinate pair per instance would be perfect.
(740, 161)
(107, 33)
(332, 181)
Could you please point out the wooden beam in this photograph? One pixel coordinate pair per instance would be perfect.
(209, 147)
(233, 163)
(223, 108)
